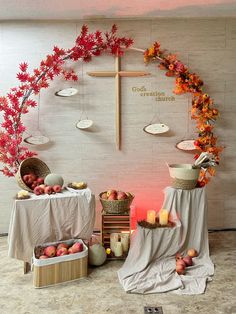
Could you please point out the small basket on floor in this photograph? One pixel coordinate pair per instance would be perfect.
(118, 207)
(34, 165)
(183, 176)
(56, 270)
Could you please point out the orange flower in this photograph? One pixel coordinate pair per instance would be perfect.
(211, 171)
(151, 52)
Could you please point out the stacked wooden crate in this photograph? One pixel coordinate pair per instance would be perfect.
(112, 223)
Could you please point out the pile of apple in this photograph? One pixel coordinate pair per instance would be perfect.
(61, 250)
(113, 195)
(184, 261)
(36, 184)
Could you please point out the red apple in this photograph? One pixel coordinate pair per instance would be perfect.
(178, 256)
(180, 269)
(38, 190)
(188, 260)
(26, 178)
(104, 196)
(109, 192)
(48, 190)
(62, 245)
(43, 257)
(181, 262)
(77, 247)
(192, 253)
(33, 185)
(70, 251)
(40, 180)
(33, 176)
(50, 251)
(30, 179)
(62, 251)
(57, 188)
(112, 197)
(121, 195)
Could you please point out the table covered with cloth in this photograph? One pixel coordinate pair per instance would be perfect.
(48, 218)
(150, 265)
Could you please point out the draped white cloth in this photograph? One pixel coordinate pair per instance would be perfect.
(150, 265)
(48, 218)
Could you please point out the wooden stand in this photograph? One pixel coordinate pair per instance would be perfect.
(112, 223)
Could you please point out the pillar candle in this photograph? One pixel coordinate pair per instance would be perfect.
(125, 241)
(114, 237)
(151, 216)
(163, 217)
(118, 251)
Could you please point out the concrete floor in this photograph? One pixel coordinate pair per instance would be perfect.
(101, 292)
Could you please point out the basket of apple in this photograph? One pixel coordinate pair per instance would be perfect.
(115, 201)
(58, 262)
(31, 173)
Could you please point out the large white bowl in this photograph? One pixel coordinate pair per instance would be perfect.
(183, 171)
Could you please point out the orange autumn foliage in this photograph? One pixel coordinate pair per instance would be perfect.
(202, 111)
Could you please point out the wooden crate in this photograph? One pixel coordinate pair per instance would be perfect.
(114, 224)
(60, 269)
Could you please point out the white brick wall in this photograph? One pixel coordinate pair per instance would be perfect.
(206, 45)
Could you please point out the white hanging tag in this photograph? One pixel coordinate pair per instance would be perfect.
(67, 92)
(84, 124)
(156, 128)
(36, 140)
(187, 145)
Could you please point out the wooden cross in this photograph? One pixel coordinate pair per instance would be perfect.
(117, 74)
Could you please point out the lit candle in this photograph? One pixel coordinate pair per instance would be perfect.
(163, 217)
(118, 251)
(151, 216)
(114, 237)
(125, 241)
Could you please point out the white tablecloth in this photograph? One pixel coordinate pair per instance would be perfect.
(48, 218)
(150, 265)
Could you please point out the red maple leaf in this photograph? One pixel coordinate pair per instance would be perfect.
(23, 66)
(22, 76)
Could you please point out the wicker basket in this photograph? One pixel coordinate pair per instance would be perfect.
(116, 206)
(28, 165)
(56, 270)
(183, 176)
(183, 184)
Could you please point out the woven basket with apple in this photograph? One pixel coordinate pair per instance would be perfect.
(30, 170)
(116, 202)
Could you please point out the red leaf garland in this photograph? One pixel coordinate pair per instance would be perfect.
(18, 101)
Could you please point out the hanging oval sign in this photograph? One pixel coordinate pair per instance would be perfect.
(36, 140)
(67, 92)
(187, 145)
(84, 124)
(156, 128)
